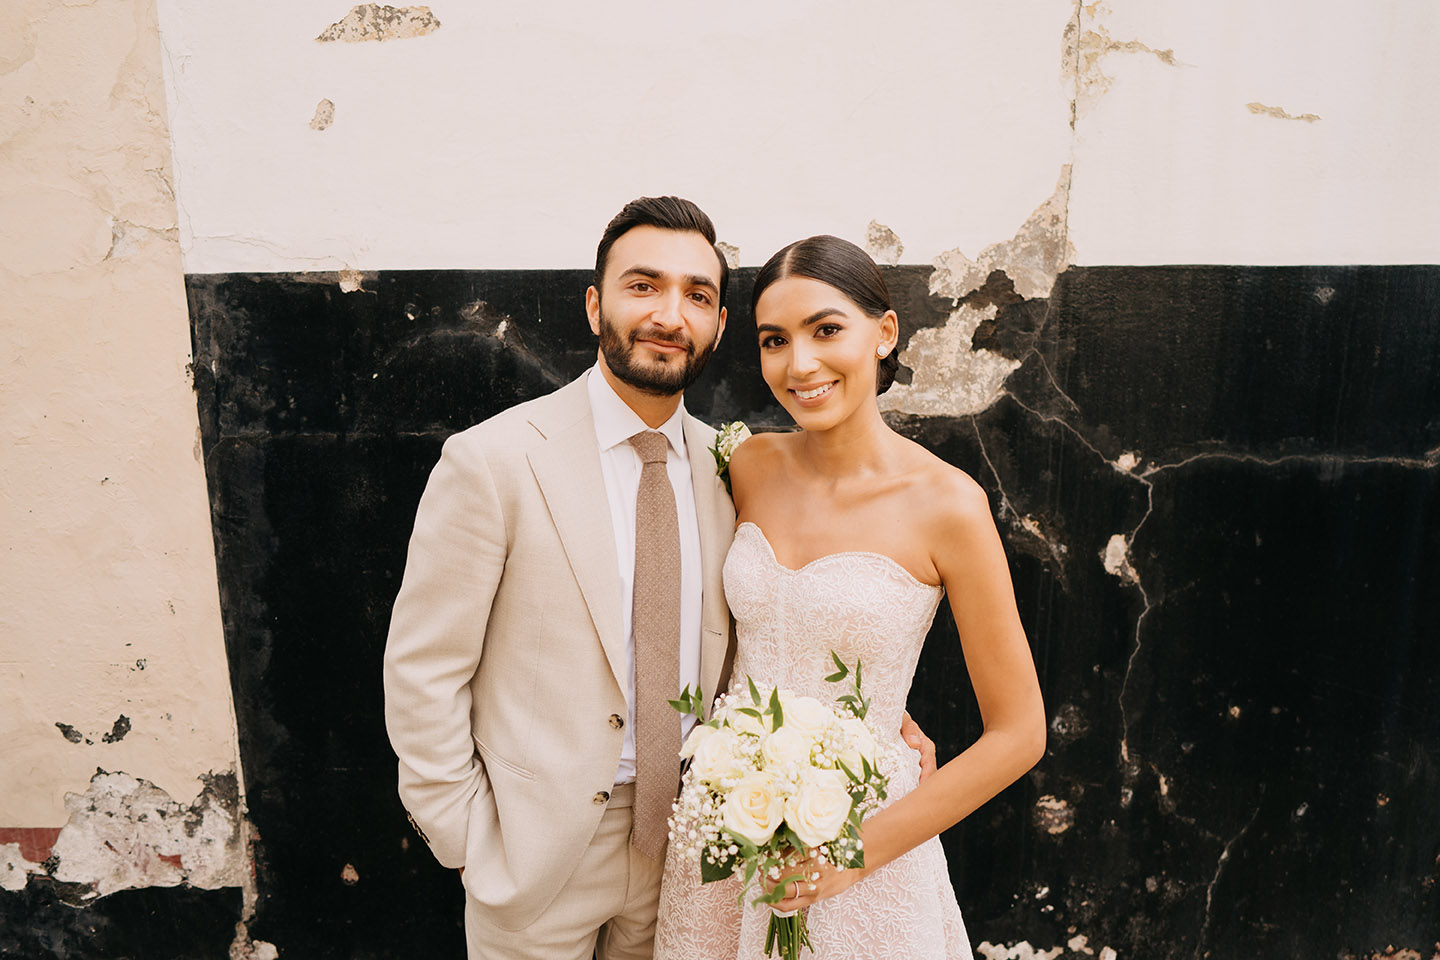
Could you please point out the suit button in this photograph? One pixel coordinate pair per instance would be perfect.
(600, 797)
(617, 721)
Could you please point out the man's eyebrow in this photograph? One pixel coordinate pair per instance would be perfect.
(692, 279)
(814, 318)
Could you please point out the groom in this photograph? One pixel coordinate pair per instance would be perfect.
(563, 582)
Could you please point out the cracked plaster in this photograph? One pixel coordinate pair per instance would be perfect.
(378, 22)
(951, 377)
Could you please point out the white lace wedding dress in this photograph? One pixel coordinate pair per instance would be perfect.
(863, 606)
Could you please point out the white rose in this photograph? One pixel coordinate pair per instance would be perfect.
(817, 813)
(697, 735)
(786, 746)
(717, 757)
(744, 722)
(807, 716)
(753, 809)
(859, 742)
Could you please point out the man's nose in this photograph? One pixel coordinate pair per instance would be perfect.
(669, 311)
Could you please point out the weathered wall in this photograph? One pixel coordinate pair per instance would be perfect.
(111, 650)
(1218, 485)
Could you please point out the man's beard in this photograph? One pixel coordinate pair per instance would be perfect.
(662, 379)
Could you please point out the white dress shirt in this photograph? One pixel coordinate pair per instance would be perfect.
(615, 424)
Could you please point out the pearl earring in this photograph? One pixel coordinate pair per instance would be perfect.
(881, 352)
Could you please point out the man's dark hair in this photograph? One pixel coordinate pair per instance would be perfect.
(667, 213)
(843, 266)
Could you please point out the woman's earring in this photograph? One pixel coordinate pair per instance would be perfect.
(881, 352)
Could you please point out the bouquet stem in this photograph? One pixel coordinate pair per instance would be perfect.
(787, 934)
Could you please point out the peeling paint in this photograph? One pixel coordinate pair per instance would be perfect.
(730, 252)
(882, 244)
(378, 22)
(118, 730)
(1116, 558)
(70, 733)
(15, 868)
(952, 376)
(1080, 944)
(1262, 110)
(125, 832)
(349, 875)
(350, 281)
(1085, 44)
(324, 115)
(243, 948)
(1019, 951)
(1032, 259)
(1053, 815)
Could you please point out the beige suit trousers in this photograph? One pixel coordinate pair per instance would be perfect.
(606, 909)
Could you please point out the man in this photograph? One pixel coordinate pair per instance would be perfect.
(563, 581)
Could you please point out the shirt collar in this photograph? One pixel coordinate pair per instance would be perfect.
(616, 423)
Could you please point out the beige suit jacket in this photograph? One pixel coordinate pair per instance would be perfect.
(503, 697)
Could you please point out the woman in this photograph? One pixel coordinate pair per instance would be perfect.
(848, 536)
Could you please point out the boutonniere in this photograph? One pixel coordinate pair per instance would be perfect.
(730, 436)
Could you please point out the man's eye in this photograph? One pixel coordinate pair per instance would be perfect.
(641, 287)
(701, 298)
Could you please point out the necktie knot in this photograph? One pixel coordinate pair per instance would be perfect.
(651, 446)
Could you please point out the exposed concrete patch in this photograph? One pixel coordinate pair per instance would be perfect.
(1053, 815)
(378, 22)
(1019, 951)
(125, 832)
(951, 376)
(1260, 109)
(351, 281)
(324, 115)
(1116, 558)
(882, 244)
(1085, 45)
(243, 948)
(15, 868)
(730, 252)
(1032, 259)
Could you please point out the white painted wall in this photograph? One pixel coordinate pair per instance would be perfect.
(506, 138)
(509, 137)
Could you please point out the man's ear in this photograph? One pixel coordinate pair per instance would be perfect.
(592, 309)
(720, 330)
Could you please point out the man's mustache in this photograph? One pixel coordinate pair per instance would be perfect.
(661, 335)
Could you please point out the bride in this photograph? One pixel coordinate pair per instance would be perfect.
(848, 537)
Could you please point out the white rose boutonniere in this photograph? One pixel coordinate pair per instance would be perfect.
(730, 436)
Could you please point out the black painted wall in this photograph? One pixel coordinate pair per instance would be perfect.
(1245, 749)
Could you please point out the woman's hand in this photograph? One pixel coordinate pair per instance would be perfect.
(820, 880)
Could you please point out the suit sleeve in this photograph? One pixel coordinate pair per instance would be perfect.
(437, 631)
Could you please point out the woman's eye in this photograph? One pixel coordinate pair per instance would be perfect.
(827, 329)
(771, 342)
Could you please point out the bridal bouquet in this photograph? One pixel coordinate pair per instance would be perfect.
(775, 779)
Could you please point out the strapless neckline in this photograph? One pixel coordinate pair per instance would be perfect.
(889, 561)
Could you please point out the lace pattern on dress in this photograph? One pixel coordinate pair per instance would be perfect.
(863, 606)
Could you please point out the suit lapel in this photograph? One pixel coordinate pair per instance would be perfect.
(716, 517)
(567, 469)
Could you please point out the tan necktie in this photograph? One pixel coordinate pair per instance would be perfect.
(655, 623)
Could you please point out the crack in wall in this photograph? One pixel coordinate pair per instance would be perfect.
(1260, 109)
(1086, 43)
(1219, 868)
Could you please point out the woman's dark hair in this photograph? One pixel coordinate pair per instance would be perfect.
(667, 213)
(843, 266)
